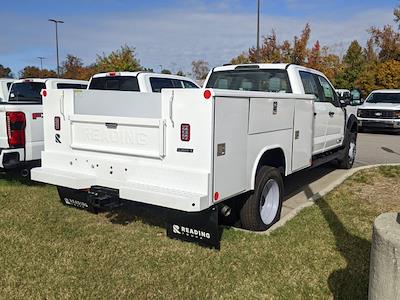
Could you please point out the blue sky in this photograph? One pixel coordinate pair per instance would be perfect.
(172, 33)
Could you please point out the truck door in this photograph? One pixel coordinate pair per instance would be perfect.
(335, 117)
(320, 111)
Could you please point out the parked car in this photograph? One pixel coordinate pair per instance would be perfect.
(139, 82)
(381, 110)
(5, 84)
(195, 151)
(21, 121)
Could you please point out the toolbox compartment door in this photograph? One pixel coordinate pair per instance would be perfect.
(230, 146)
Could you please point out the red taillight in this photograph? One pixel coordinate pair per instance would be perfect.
(185, 132)
(112, 74)
(207, 94)
(57, 123)
(16, 123)
(44, 93)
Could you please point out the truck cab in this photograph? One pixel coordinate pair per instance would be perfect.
(144, 82)
(5, 84)
(381, 110)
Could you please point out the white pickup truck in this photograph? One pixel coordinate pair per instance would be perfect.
(195, 151)
(5, 84)
(21, 121)
(381, 110)
(144, 82)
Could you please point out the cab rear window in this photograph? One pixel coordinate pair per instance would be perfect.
(116, 83)
(275, 81)
(159, 83)
(26, 91)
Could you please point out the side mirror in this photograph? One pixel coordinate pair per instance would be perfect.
(344, 102)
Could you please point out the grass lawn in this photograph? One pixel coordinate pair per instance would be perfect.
(51, 251)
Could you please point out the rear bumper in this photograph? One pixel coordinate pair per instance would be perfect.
(11, 158)
(128, 190)
(379, 123)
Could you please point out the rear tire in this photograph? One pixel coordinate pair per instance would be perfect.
(350, 151)
(263, 208)
(75, 198)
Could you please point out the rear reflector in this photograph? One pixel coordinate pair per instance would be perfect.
(57, 123)
(185, 132)
(16, 123)
(216, 196)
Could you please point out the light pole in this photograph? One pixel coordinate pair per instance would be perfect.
(41, 61)
(58, 62)
(258, 30)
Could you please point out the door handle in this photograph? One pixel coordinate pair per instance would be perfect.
(331, 113)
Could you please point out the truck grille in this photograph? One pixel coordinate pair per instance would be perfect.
(377, 114)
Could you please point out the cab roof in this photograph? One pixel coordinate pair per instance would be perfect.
(274, 66)
(388, 91)
(44, 80)
(136, 74)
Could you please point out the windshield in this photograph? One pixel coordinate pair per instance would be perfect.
(384, 98)
(26, 91)
(275, 81)
(115, 83)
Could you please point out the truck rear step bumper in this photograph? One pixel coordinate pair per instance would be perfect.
(144, 193)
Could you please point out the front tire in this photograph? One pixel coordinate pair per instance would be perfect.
(263, 208)
(350, 151)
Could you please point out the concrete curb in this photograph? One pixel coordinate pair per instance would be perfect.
(315, 197)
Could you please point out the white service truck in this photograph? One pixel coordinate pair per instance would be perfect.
(21, 121)
(5, 84)
(197, 152)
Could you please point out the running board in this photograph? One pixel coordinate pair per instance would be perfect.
(320, 160)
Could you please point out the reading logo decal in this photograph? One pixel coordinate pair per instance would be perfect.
(190, 232)
(57, 138)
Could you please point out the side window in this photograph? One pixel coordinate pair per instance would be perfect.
(157, 84)
(189, 85)
(177, 83)
(328, 92)
(309, 84)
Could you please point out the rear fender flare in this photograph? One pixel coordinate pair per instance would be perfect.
(258, 159)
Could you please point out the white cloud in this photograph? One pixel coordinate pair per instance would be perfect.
(173, 38)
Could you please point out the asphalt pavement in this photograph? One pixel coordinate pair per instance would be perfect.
(372, 148)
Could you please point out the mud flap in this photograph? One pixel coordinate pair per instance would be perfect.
(200, 227)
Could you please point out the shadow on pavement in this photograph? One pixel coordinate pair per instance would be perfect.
(350, 282)
(300, 181)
